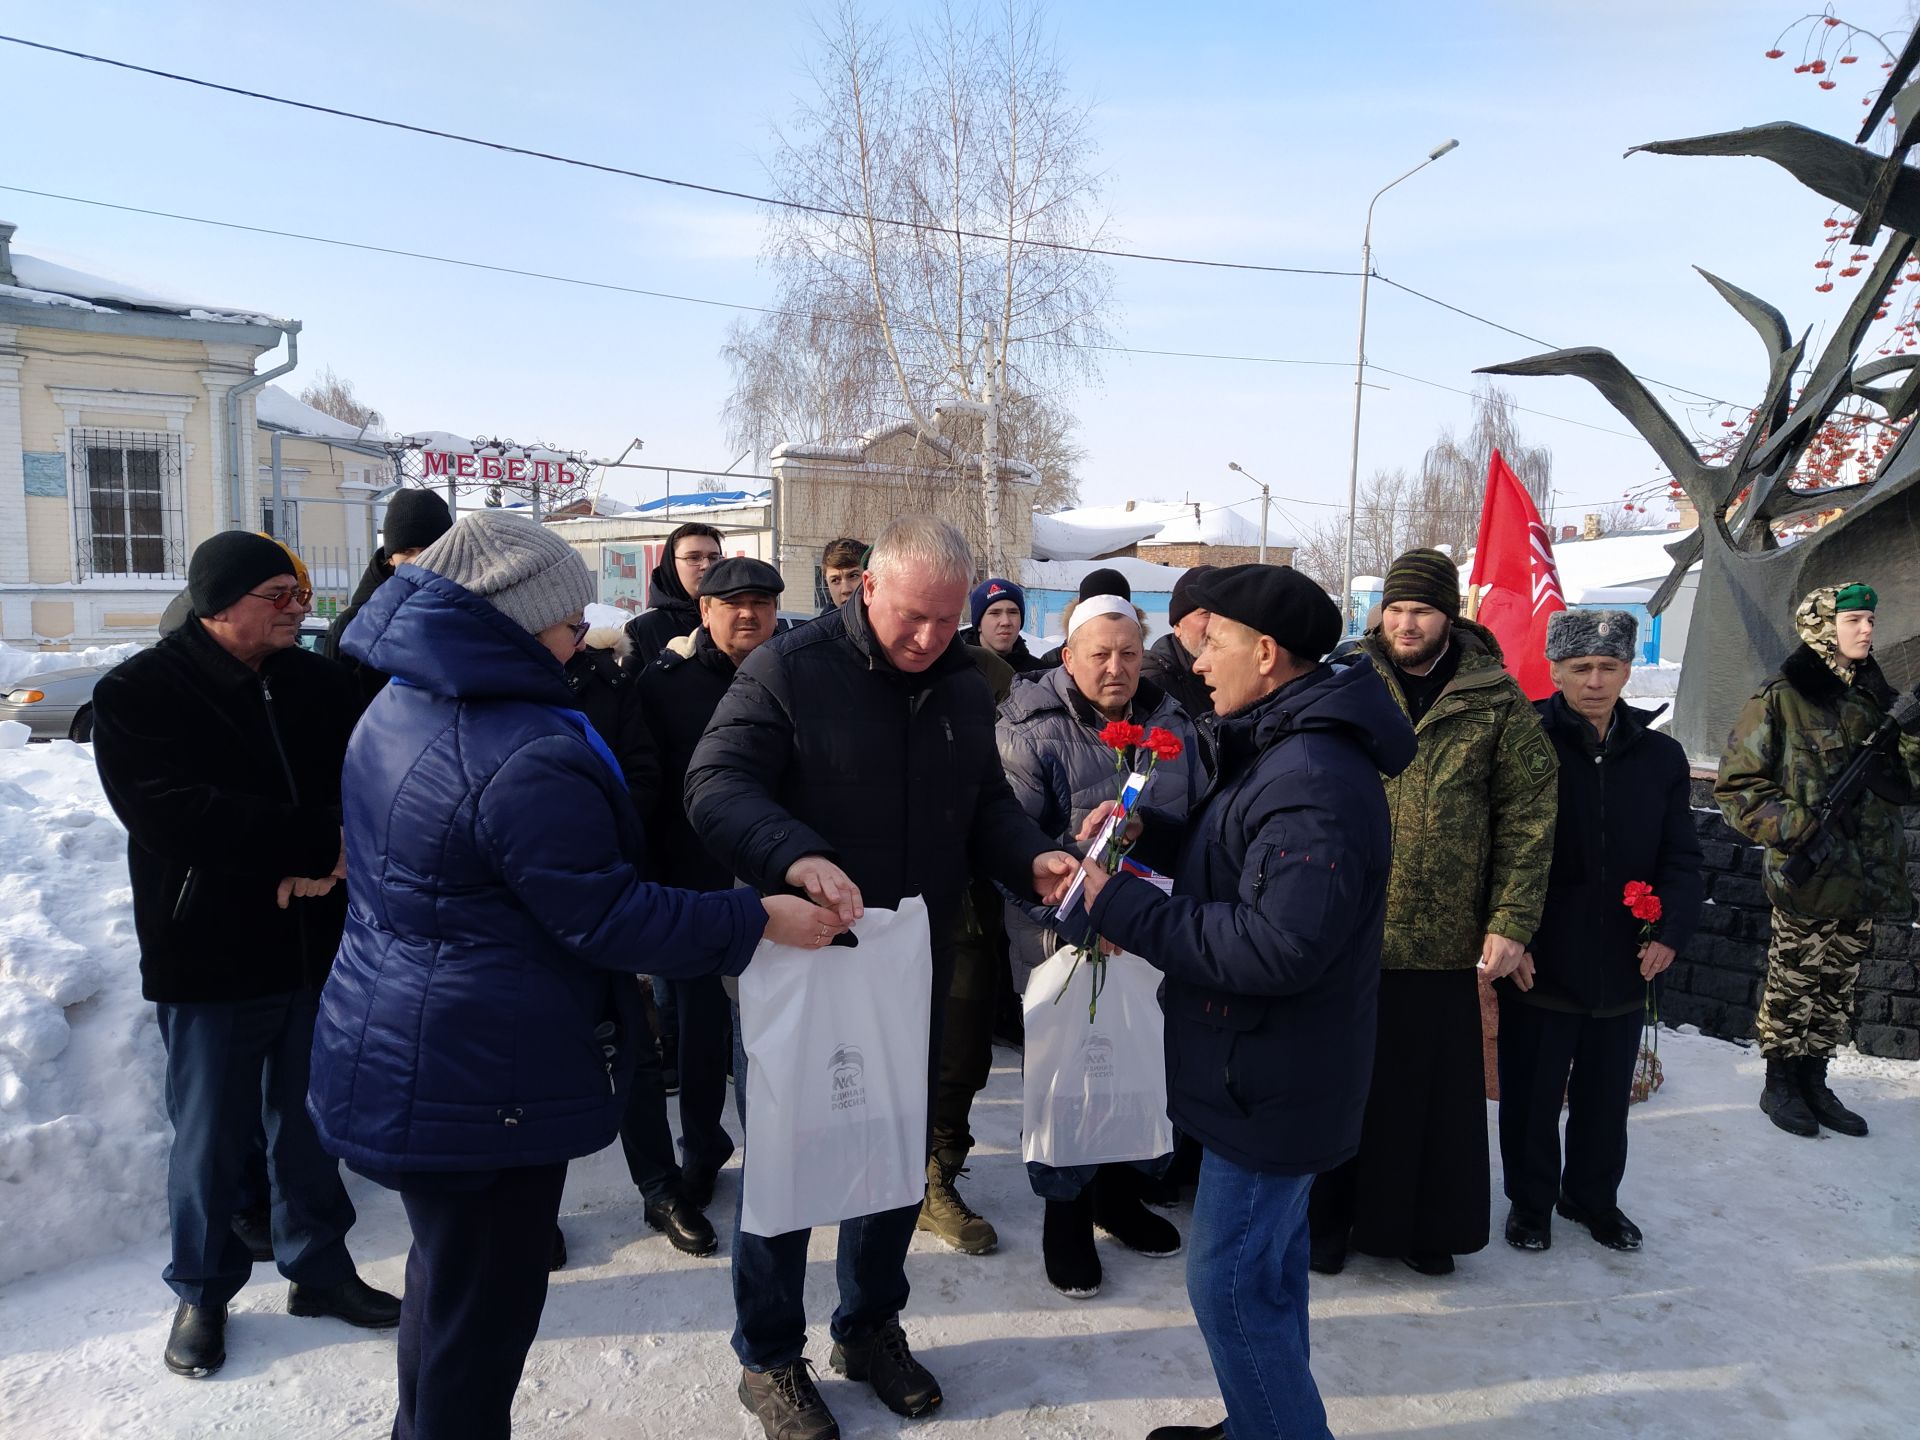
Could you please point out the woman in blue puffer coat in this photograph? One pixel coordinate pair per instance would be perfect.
(477, 1030)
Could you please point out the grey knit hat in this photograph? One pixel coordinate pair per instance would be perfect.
(1572, 633)
(529, 574)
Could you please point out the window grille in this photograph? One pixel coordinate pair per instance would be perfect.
(128, 519)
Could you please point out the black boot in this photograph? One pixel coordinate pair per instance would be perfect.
(1430, 1262)
(686, 1229)
(1824, 1104)
(1327, 1254)
(1117, 1210)
(1189, 1432)
(1528, 1232)
(353, 1301)
(1782, 1100)
(885, 1362)
(559, 1256)
(255, 1229)
(786, 1404)
(1610, 1227)
(1066, 1244)
(197, 1344)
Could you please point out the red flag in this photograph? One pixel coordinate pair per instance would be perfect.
(1520, 587)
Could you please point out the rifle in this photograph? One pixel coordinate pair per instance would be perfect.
(1834, 816)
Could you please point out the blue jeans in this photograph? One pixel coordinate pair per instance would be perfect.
(232, 1070)
(1247, 1279)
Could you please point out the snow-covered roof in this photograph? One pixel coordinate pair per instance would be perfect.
(1094, 530)
(46, 282)
(856, 453)
(706, 500)
(280, 410)
(1590, 568)
(1143, 575)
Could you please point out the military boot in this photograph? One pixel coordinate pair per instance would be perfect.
(1824, 1104)
(944, 1214)
(1782, 1100)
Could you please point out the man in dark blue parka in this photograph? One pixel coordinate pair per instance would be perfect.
(1271, 947)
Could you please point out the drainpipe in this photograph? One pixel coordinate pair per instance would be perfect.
(235, 489)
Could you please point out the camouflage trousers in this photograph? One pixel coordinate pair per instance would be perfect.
(1806, 1007)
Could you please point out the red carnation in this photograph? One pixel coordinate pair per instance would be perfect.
(1164, 744)
(1119, 735)
(1635, 890)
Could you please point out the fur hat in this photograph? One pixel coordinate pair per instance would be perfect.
(521, 568)
(1572, 633)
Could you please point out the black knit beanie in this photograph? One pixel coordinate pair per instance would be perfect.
(228, 565)
(1105, 582)
(1426, 577)
(415, 519)
(1185, 599)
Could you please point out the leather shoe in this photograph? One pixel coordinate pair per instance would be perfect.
(1611, 1228)
(885, 1361)
(1435, 1263)
(1327, 1254)
(1528, 1232)
(353, 1300)
(558, 1257)
(197, 1344)
(1189, 1432)
(686, 1229)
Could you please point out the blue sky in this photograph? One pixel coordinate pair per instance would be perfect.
(1247, 132)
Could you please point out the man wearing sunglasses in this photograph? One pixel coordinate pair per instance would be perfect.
(220, 750)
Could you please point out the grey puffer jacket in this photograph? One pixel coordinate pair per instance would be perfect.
(1060, 771)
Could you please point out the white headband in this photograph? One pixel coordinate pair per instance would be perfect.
(1094, 606)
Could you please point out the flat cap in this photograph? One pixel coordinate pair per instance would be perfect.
(738, 574)
(1276, 600)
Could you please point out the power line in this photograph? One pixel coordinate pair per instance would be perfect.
(1544, 414)
(612, 285)
(509, 149)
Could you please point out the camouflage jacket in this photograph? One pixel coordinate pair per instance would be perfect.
(1792, 741)
(1473, 814)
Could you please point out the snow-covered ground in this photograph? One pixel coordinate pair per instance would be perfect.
(1779, 1293)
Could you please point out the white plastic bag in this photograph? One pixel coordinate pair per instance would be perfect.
(836, 1044)
(1095, 1090)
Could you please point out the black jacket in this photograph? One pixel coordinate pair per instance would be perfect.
(678, 695)
(610, 699)
(821, 747)
(369, 681)
(1624, 815)
(1168, 665)
(1270, 941)
(228, 780)
(1023, 660)
(671, 613)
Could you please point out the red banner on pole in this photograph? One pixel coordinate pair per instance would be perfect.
(1519, 584)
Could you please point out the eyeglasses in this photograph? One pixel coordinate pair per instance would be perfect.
(286, 595)
(699, 557)
(579, 629)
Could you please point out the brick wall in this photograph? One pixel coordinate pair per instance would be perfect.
(1716, 984)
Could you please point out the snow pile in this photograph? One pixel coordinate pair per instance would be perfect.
(281, 410)
(83, 1135)
(16, 664)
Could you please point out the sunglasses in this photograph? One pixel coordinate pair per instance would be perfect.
(286, 595)
(579, 629)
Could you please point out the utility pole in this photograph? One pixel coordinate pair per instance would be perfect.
(1266, 498)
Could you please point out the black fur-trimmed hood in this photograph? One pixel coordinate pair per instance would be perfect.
(1807, 673)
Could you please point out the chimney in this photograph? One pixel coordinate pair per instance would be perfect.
(1129, 504)
(1569, 532)
(7, 227)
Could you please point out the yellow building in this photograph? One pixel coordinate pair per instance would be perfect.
(128, 434)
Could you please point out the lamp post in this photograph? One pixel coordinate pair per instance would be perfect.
(1235, 465)
(1360, 368)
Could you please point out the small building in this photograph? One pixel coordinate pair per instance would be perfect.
(622, 543)
(1053, 585)
(1190, 532)
(127, 436)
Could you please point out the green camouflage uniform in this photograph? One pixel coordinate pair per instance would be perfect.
(1790, 743)
(1473, 815)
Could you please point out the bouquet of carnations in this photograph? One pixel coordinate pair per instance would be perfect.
(1136, 751)
(1647, 1074)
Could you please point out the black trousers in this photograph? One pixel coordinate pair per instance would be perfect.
(966, 1039)
(706, 1049)
(1548, 1054)
(645, 1136)
(476, 1284)
(1419, 1185)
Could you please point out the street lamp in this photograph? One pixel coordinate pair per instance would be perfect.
(1360, 366)
(1235, 465)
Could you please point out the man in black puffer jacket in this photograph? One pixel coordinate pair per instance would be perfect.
(1574, 1008)
(1271, 947)
(853, 759)
(671, 611)
(220, 750)
(415, 519)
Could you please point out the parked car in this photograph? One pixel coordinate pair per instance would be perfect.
(55, 705)
(313, 633)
